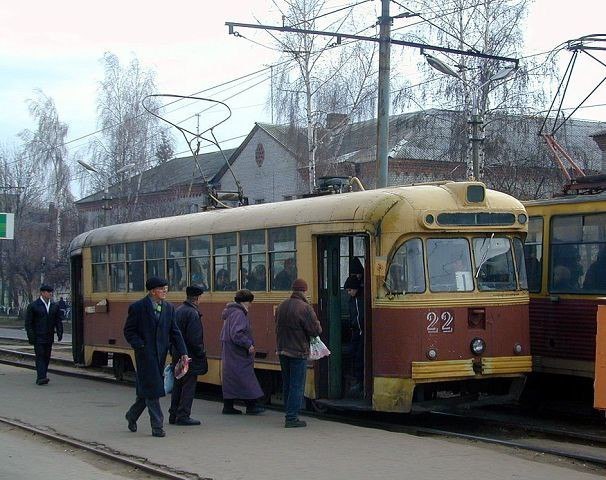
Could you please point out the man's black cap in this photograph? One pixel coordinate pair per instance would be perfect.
(155, 282)
(194, 291)
(352, 282)
(46, 288)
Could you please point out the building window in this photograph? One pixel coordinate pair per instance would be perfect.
(259, 200)
(260, 154)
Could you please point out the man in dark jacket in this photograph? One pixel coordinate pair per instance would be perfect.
(296, 323)
(150, 328)
(42, 319)
(189, 321)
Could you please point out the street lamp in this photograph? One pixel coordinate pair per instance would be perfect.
(106, 178)
(476, 132)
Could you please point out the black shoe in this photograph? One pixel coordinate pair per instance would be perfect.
(158, 432)
(256, 410)
(187, 421)
(132, 424)
(172, 419)
(231, 411)
(42, 381)
(295, 423)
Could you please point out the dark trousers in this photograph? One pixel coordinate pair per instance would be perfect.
(182, 397)
(357, 347)
(293, 384)
(153, 408)
(43, 355)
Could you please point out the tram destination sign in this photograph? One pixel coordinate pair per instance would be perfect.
(7, 226)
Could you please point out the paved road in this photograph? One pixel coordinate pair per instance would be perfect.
(19, 333)
(259, 447)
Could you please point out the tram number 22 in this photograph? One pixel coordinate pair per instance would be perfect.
(440, 322)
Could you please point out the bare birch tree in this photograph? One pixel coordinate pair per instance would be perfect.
(129, 136)
(321, 78)
(488, 26)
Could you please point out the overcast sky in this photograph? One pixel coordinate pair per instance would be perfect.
(56, 46)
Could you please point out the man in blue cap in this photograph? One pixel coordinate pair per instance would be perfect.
(150, 329)
(43, 318)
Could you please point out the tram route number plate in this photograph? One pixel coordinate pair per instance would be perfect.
(440, 322)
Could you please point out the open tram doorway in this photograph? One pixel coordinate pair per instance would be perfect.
(77, 310)
(345, 377)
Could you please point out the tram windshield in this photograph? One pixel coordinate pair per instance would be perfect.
(450, 267)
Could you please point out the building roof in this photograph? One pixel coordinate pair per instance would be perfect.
(171, 174)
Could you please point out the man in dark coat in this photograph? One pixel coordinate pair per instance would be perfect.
(189, 321)
(150, 328)
(356, 323)
(296, 323)
(42, 319)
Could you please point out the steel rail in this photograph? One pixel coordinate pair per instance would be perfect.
(144, 465)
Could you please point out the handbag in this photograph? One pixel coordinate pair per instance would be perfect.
(317, 349)
(169, 379)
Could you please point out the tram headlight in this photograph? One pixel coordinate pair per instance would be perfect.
(517, 348)
(432, 354)
(522, 218)
(477, 346)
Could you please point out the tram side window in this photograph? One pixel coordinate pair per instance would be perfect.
(154, 258)
(533, 253)
(449, 264)
(175, 263)
(225, 260)
(117, 268)
(134, 267)
(282, 258)
(578, 258)
(406, 273)
(99, 264)
(494, 263)
(199, 261)
(253, 273)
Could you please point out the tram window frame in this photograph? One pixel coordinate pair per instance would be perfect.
(253, 254)
(99, 257)
(583, 244)
(135, 267)
(158, 259)
(533, 253)
(225, 261)
(199, 260)
(176, 260)
(460, 283)
(117, 267)
(520, 262)
(282, 250)
(408, 260)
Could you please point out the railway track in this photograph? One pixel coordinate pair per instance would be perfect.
(576, 444)
(141, 464)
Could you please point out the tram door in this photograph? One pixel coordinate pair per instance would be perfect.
(77, 310)
(337, 256)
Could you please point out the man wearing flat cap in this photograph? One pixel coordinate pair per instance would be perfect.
(42, 319)
(189, 321)
(150, 329)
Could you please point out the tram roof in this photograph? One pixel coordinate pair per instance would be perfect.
(566, 199)
(368, 206)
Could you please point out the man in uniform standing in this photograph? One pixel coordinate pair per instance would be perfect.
(42, 319)
(150, 329)
(189, 321)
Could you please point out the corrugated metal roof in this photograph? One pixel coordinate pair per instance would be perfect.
(178, 171)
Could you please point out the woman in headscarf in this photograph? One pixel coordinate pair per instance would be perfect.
(239, 381)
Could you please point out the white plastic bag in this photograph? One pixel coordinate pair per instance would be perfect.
(169, 379)
(317, 349)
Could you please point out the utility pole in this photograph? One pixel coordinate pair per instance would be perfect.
(385, 22)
